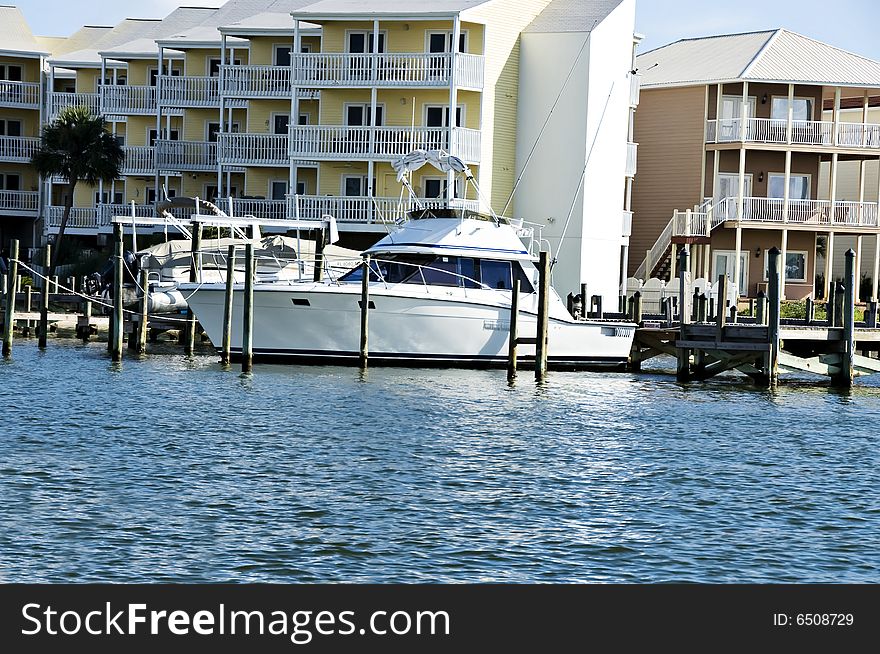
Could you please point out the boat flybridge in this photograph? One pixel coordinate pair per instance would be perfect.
(440, 289)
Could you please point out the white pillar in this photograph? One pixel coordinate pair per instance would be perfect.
(158, 121)
(835, 137)
(220, 188)
(453, 101)
(783, 258)
(718, 95)
(790, 122)
(876, 275)
(371, 166)
(293, 124)
(829, 256)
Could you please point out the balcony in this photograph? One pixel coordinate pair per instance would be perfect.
(83, 220)
(139, 160)
(186, 155)
(261, 82)
(193, 92)
(22, 95)
(19, 203)
(363, 210)
(842, 213)
(128, 100)
(392, 70)
(632, 155)
(18, 149)
(803, 132)
(263, 209)
(254, 149)
(59, 101)
(324, 142)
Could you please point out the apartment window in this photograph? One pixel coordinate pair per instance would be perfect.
(213, 129)
(214, 66)
(362, 42)
(300, 188)
(280, 123)
(282, 55)
(278, 190)
(358, 115)
(154, 73)
(442, 42)
(303, 119)
(174, 136)
(104, 198)
(151, 194)
(438, 116)
(120, 139)
(10, 73)
(355, 185)
(10, 182)
(725, 264)
(436, 187)
(211, 193)
(795, 266)
(802, 108)
(798, 186)
(731, 113)
(10, 127)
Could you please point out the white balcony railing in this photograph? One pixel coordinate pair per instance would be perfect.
(803, 132)
(186, 155)
(190, 91)
(363, 209)
(18, 148)
(59, 101)
(632, 154)
(260, 82)
(804, 212)
(420, 69)
(84, 218)
(253, 149)
(139, 160)
(263, 209)
(325, 142)
(125, 100)
(20, 94)
(19, 201)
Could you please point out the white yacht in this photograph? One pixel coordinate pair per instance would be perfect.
(440, 292)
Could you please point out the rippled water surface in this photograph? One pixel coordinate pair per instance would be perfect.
(169, 469)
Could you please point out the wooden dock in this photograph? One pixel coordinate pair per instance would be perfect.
(764, 345)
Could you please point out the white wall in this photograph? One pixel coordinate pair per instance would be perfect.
(591, 251)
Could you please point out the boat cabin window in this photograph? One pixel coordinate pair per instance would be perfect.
(463, 272)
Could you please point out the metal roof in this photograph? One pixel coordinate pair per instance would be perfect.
(356, 8)
(572, 16)
(768, 56)
(15, 33)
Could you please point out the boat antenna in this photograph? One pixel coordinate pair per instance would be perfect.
(549, 116)
(583, 173)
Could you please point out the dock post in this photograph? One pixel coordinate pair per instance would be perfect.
(9, 319)
(848, 318)
(667, 311)
(751, 307)
(637, 307)
(145, 303)
(871, 314)
(808, 311)
(761, 310)
(543, 316)
(721, 312)
(226, 347)
(44, 299)
(703, 308)
(28, 307)
(84, 322)
(365, 312)
(117, 318)
(831, 304)
(569, 304)
(683, 371)
(195, 273)
(695, 306)
(772, 362)
(247, 343)
(514, 332)
(839, 304)
(319, 255)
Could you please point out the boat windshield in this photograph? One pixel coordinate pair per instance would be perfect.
(432, 270)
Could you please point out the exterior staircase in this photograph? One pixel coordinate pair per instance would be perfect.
(690, 226)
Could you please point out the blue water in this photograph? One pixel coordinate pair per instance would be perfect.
(169, 469)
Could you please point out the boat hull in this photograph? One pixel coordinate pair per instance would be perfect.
(321, 324)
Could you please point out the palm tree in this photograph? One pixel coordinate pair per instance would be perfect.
(79, 148)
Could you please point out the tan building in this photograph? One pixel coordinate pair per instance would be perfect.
(733, 143)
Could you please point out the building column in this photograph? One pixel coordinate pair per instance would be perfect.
(784, 259)
(220, 187)
(371, 170)
(829, 256)
(158, 122)
(453, 101)
(293, 123)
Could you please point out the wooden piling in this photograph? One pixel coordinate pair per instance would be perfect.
(845, 376)
(514, 331)
(839, 304)
(543, 315)
(247, 343)
(772, 357)
(194, 275)
(637, 307)
(319, 254)
(809, 309)
(117, 317)
(84, 322)
(44, 299)
(761, 310)
(226, 346)
(144, 283)
(9, 318)
(703, 308)
(871, 314)
(28, 307)
(721, 312)
(831, 305)
(683, 370)
(365, 312)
